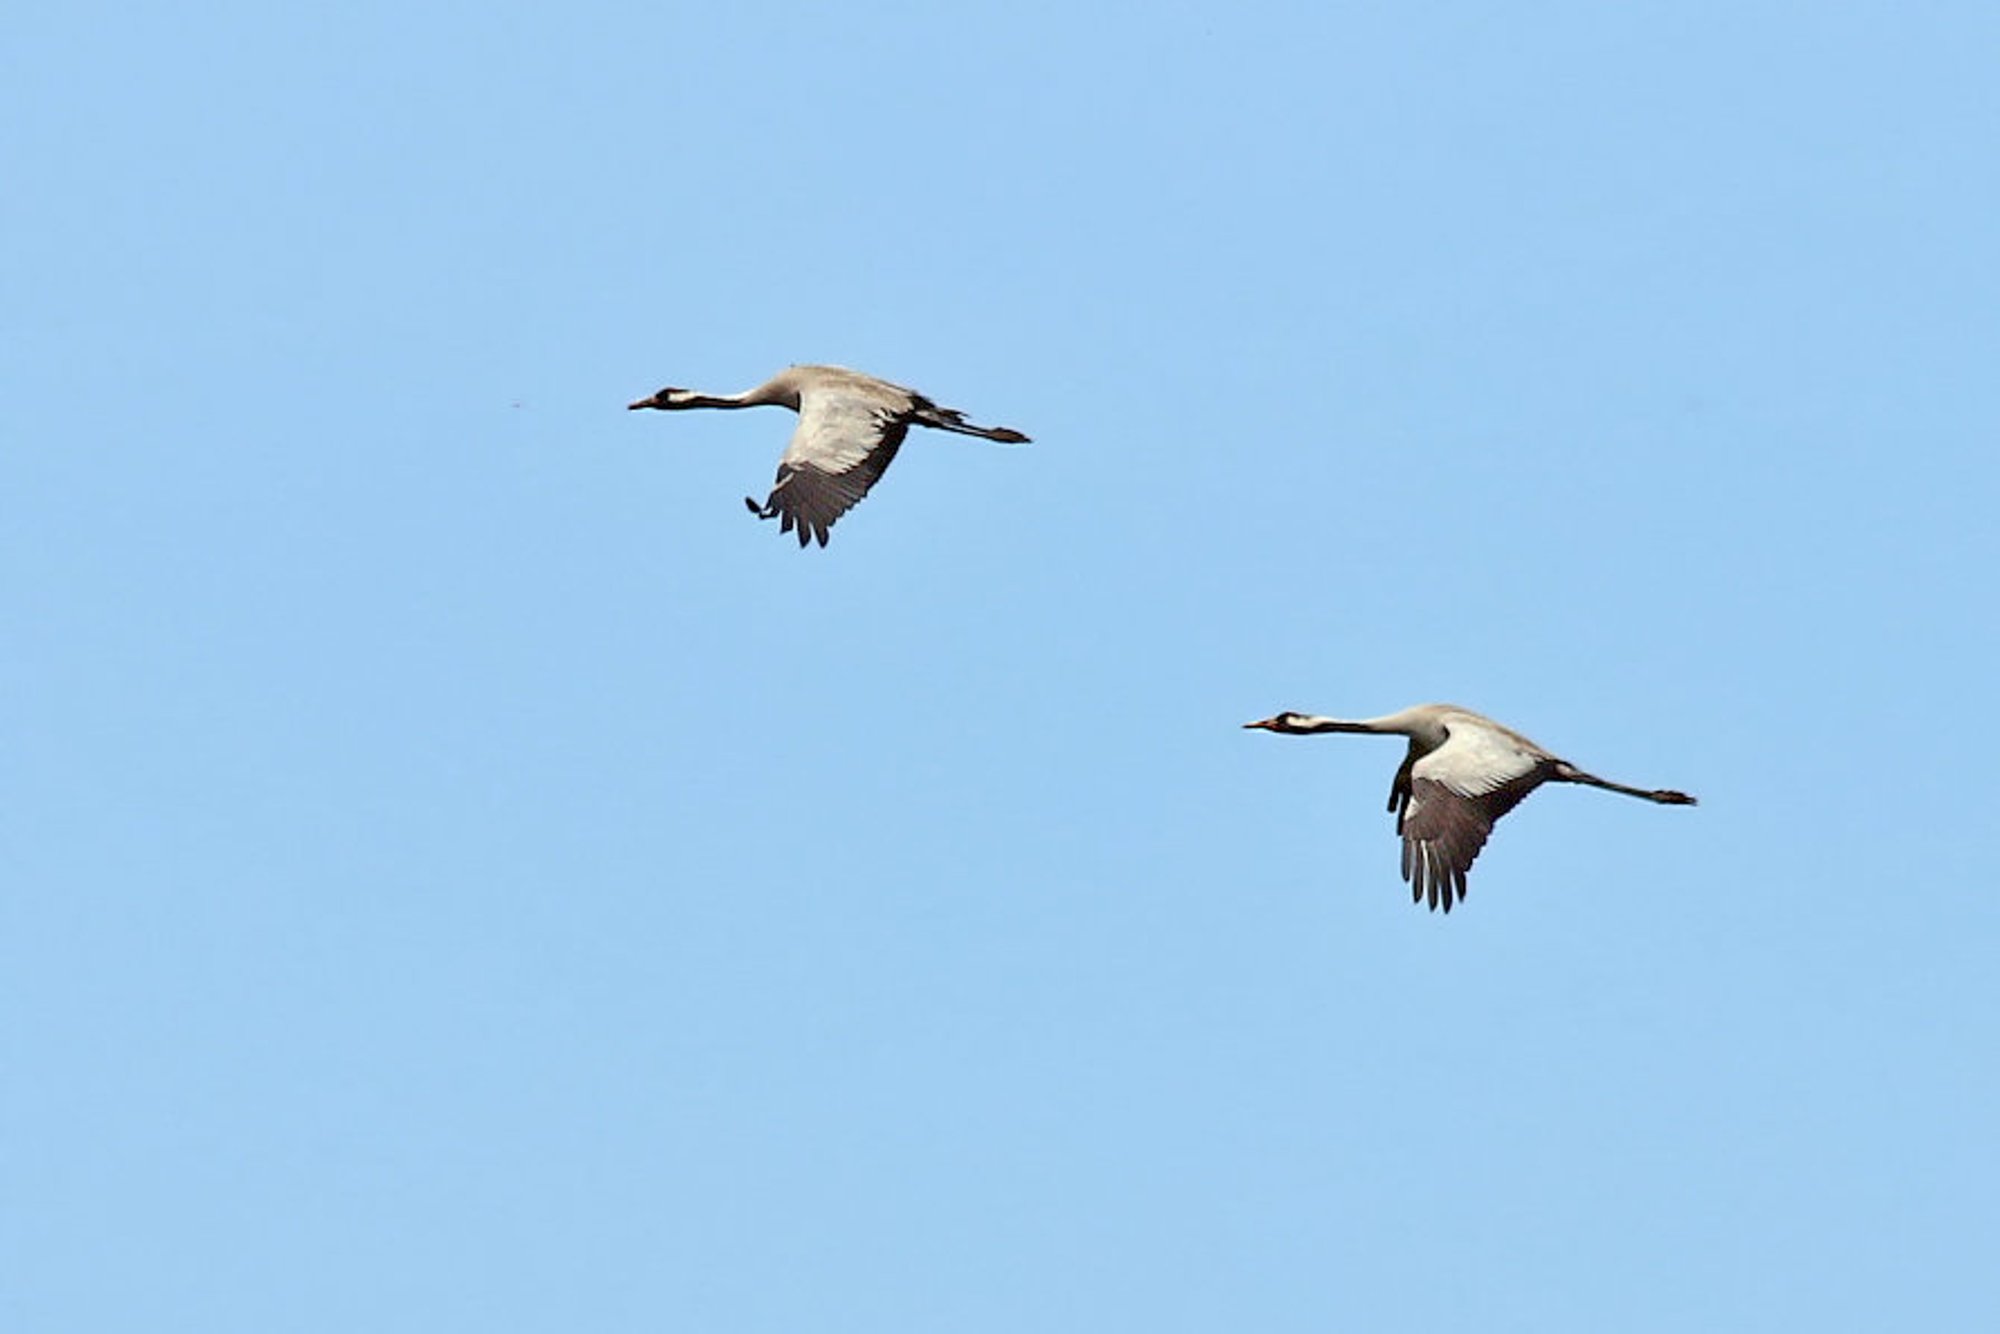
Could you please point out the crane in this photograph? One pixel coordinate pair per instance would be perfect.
(1463, 772)
(850, 427)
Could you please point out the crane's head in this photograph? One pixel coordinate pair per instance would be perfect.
(1287, 721)
(665, 400)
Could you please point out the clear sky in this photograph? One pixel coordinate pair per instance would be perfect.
(461, 872)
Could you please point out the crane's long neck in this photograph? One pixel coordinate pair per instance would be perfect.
(750, 398)
(779, 391)
(1420, 724)
(1312, 723)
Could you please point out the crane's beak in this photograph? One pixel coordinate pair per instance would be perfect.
(649, 401)
(1266, 724)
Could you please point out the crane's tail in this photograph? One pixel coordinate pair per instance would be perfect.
(951, 419)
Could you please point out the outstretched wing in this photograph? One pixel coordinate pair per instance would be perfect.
(845, 441)
(1450, 800)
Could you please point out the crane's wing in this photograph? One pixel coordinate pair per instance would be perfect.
(1446, 803)
(845, 441)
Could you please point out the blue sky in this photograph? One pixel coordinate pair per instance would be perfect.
(461, 872)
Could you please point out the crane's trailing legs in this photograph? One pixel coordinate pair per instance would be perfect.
(1665, 796)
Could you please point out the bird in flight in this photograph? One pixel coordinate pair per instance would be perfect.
(1463, 772)
(850, 427)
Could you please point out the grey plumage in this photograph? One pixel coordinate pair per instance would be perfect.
(850, 428)
(1463, 771)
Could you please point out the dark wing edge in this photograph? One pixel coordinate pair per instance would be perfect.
(1443, 832)
(809, 500)
(1399, 790)
(1442, 835)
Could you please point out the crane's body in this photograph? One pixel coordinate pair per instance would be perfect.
(1463, 771)
(850, 427)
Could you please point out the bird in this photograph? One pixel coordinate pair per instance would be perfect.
(850, 427)
(1463, 772)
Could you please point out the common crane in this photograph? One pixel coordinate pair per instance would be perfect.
(850, 427)
(1463, 772)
